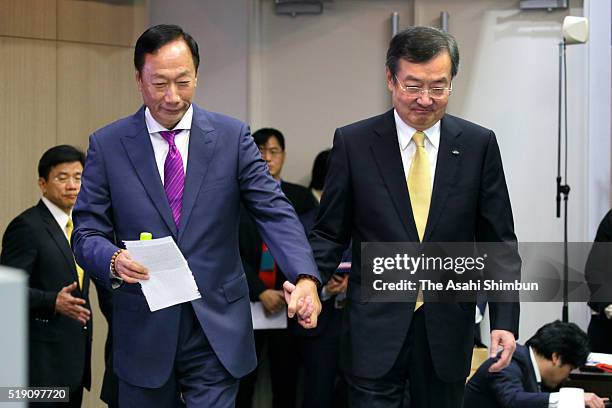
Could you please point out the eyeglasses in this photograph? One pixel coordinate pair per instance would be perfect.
(416, 91)
(272, 152)
(65, 179)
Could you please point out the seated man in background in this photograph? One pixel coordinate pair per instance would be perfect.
(598, 274)
(265, 281)
(38, 241)
(544, 361)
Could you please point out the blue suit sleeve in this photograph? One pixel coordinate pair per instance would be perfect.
(93, 235)
(273, 214)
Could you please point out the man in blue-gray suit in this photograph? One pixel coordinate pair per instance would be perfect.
(174, 169)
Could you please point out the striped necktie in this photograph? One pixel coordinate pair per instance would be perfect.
(174, 176)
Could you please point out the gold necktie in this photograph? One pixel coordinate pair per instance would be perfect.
(80, 272)
(419, 188)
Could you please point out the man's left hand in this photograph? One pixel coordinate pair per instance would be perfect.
(506, 340)
(303, 299)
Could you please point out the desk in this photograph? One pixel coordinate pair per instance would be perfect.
(599, 383)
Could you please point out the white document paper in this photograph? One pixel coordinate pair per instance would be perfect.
(597, 358)
(263, 321)
(170, 279)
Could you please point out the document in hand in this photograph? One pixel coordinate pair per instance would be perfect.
(262, 321)
(170, 279)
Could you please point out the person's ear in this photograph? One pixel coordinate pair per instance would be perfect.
(556, 359)
(138, 80)
(42, 184)
(390, 79)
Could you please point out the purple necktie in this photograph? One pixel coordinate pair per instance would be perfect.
(174, 176)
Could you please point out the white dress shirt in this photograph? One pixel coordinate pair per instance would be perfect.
(408, 147)
(60, 216)
(161, 147)
(553, 399)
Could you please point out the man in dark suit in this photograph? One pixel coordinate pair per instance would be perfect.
(598, 274)
(266, 279)
(37, 241)
(545, 361)
(415, 174)
(175, 170)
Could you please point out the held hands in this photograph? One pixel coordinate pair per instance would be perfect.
(129, 270)
(272, 300)
(505, 339)
(303, 299)
(71, 306)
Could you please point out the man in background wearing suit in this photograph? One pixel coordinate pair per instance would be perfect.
(37, 241)
(266, 279)
(545, 361)
(415, 174)
(598, 274)
(176, 170)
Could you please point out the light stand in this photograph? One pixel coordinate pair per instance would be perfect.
(575, 31)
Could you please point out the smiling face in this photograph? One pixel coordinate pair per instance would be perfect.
(421, 112)
(62, 184)
(167, 82)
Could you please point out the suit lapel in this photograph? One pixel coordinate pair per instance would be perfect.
(137, 144)
(202, 141)
(385, 149)
(58, 236)
(449, 155)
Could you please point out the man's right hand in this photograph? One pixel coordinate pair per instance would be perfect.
(272, 300)
(129, 270)
(593, 401)
(71, 306)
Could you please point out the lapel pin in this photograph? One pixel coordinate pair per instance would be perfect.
(455, 152)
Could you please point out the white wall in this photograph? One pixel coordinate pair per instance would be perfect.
(221, 30)
(311, 74)
(599, 102)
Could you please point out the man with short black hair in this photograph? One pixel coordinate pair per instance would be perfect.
(38, 241)
(176, 170)
(545, 361)
(415, 174)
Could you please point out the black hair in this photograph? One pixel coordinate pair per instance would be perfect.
(263, 135)
(58, 155)
(156, 37)
(565, 339)
(421, 44)
(319, 170)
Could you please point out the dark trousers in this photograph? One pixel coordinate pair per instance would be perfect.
(282, 352)
(324, 385)
(198, 380)
(600, 334)
(411, 382)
